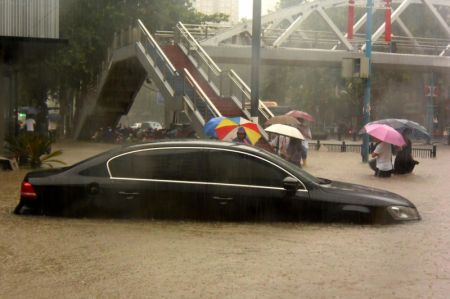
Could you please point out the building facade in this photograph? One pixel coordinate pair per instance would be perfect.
(28, 30)
(29, 18)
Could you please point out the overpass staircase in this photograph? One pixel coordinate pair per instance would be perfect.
(187, 78)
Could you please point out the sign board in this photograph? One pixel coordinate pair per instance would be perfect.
(431, 91)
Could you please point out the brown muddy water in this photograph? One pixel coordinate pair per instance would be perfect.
(43, 257)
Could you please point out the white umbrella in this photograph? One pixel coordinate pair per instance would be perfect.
(285, 131)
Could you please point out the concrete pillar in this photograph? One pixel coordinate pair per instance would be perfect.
(4, 106)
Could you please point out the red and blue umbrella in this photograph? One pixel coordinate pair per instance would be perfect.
(225, 128)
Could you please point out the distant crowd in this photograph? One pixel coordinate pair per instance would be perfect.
(127, 134)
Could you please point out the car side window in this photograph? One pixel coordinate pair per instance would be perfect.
(238, 168)
(95, 171)
(160, 164)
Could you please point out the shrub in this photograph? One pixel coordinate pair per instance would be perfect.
(33, 149)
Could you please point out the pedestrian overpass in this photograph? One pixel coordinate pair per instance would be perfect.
(188, 79)
(288, 38)
(180, 66)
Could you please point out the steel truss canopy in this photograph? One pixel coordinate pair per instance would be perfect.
(283, 28)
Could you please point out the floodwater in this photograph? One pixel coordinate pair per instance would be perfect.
(42, 257)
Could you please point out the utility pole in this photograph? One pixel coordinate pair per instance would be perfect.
(430, 104)
(367, 81)
(256, 50)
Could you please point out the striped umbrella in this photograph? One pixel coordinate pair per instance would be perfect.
(225, 128)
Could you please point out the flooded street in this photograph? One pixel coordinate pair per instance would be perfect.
(42, 257)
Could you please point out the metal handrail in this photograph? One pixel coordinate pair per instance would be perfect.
(265, 111)
(242, 86)
(235, 80)
(190, 79)
(243, 89)
(156, 46)
(205, 57)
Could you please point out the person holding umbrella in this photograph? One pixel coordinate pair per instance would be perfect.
(294, 151)
(306, 131)
(241, 136)
(235, 129)
(386, 136)
(404, 162)
(294, 148)
(303, 116)
(383, 158)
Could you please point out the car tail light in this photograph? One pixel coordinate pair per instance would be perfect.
(27, 191)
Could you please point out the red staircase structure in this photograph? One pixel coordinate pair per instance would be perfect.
(180, 61)
(226, 106)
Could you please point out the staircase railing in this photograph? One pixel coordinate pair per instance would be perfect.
(197, 99)
(160, 59)
(209, 69)
(238, 90)
(242, 92)
(183, 84)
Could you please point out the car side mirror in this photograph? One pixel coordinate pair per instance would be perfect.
(291, 184)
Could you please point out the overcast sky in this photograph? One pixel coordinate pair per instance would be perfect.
(246, 7)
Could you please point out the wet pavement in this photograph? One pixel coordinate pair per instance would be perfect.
(44, 257)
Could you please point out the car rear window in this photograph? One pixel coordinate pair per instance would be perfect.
(95, 171)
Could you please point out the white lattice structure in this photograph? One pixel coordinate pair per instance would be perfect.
(284, 28)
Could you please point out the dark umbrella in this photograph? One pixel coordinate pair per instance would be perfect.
(282, 119)
(306, 131)
(301, 114)
(401, 125)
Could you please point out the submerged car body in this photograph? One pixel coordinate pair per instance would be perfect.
(202, 179)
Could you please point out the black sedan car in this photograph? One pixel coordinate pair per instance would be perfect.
(201, 179)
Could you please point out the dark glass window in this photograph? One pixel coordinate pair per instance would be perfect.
(160, 164)
(95, 171)
(237, 168)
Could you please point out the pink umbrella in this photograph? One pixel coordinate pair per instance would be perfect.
(385, 133)
(300, 114)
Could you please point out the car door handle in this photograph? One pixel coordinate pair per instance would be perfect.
(128, 193)
(223, 198)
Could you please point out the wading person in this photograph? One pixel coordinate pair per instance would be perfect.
(294, 151)
(404, 161)
(383, 159)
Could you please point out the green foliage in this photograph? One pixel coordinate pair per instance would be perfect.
(33, 149)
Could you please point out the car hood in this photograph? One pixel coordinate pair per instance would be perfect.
(348, 193)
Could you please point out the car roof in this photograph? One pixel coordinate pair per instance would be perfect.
(192, 142)
(307, 178)
(212, 143)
